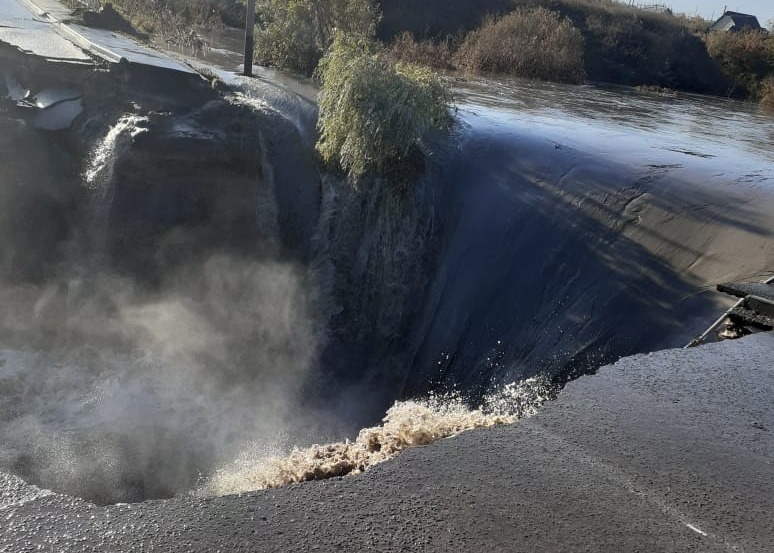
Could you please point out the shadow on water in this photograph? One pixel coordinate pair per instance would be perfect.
(559, 261)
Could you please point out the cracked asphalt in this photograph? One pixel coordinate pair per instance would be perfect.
(670, 451)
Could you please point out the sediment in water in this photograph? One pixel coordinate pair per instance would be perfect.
(407, 424)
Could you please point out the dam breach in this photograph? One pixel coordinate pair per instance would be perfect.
(182, 283)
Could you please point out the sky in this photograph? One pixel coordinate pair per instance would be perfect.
(763, 9)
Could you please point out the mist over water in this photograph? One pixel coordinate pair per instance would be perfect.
(136, 395)
(116, 390)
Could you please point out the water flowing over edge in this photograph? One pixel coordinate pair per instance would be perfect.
(100, 171)
(406, 424)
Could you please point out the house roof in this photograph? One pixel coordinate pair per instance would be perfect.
(735, 21)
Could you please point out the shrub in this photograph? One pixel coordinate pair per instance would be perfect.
(534, 43)
(293, 34)
(426, 52)
(376, 112)
(747, 58)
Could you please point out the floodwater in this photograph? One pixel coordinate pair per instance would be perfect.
(559, 228)
(615, 120)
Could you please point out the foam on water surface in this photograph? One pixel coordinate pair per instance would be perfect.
(407, 424)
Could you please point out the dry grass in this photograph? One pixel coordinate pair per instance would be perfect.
(431, 53)
(178, 22)
(162, 18)
(533, 43)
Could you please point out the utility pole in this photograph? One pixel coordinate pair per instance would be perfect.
(249, 41)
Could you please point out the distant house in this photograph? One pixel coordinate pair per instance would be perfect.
(732, 22)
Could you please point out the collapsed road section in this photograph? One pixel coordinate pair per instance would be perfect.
(670, 451)
(155, 234)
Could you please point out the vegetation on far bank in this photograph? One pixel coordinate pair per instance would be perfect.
(747, 58)
(621, 43)
(534, 43)
(604, 40)
(767, 94)
(294, 34)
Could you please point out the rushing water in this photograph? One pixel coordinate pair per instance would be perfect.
(99, 174)
(559, 228)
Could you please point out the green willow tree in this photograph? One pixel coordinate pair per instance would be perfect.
(294, 34)
(376, 112)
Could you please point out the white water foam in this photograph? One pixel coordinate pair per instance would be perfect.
(407, 424)
(100, 171)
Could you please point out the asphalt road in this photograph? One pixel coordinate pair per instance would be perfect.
(670, 451)
(37, 27)
(19, 27)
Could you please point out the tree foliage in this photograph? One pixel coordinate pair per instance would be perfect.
(294, 34)
(375, 111)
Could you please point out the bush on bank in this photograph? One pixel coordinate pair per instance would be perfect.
(746, 57)
(534, 43)
(374, 112)
(293, 34)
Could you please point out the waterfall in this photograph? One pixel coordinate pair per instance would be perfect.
(99, 173)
